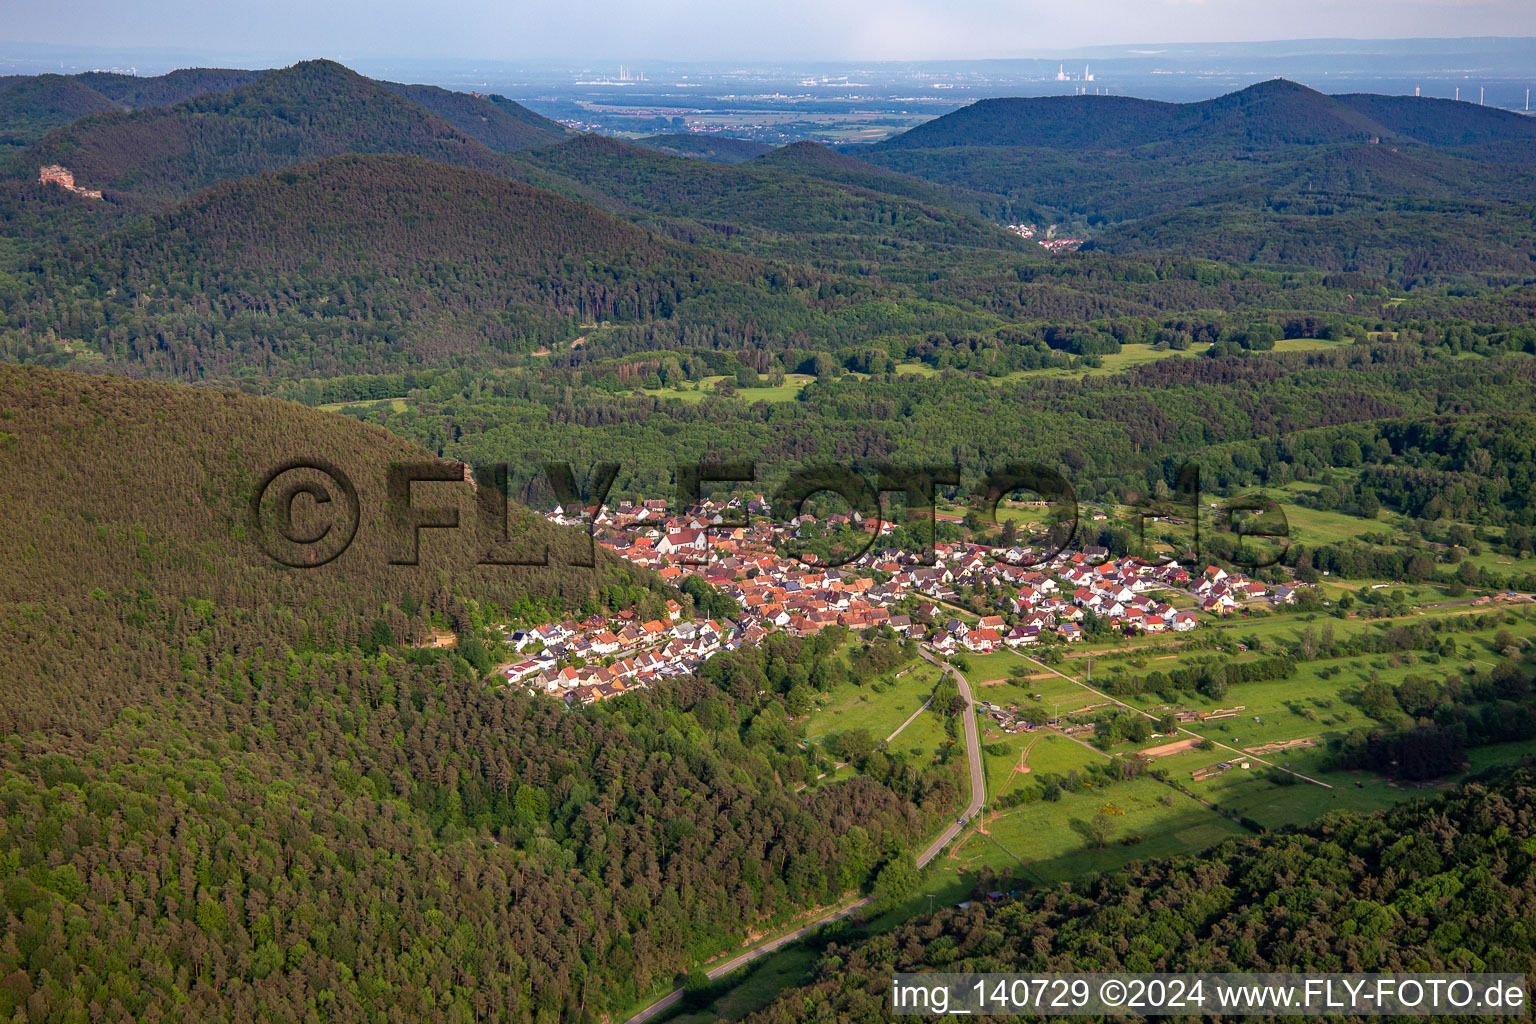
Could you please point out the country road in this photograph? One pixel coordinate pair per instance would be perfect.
(978, 797)
(973, 754)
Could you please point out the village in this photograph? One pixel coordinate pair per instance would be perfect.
(737, 550)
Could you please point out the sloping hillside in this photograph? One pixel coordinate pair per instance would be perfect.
(719, 148)
(758, 194)
(1442, 122)
(494, 121)
(230, 794)
(812, 160)
(134, 505)
(305, 112)
(31, 107)
(363, 264)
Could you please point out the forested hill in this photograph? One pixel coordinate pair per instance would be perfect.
(496, 121)
(782, 197)
(816, 161)
(1442, 122)
(30, 107)
(363, 264)
(136, 548)
(163, 90)
(304, 112)
(804, 203)
(1445, 885)
(719, 148)
(1273, 113)
(1276, 174)
(33, 105)
(231, 795)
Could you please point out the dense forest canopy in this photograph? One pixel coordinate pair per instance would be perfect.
(238, 779)
(1440, 885)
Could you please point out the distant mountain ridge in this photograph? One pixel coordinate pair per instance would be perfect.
(269, 120)
(404, 262)
(33, 106)
(1276, 112)
(495, 121)
(163, 90)
(1276, 173)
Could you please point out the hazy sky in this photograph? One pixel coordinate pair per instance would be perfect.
(700, 29)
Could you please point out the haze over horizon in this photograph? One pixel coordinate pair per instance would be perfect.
(688, 30)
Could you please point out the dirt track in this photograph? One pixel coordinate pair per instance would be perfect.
(1176, 747)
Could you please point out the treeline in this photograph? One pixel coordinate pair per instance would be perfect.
(1210, 677)
(1428, 724)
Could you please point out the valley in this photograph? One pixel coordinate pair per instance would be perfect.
(715, 574)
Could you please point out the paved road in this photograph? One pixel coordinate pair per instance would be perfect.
(973, 754)
(978, 797)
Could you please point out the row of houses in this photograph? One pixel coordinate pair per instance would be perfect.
(1222, 593)
(595, 658)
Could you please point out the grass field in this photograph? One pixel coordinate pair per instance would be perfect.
(395, 405)
(1132, 356)
(1056, 695)
(1314, 526)
(1039, 751)
(849, 706)
(923, 738)
(1046, 841)
(697, 391)
(997, 665)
